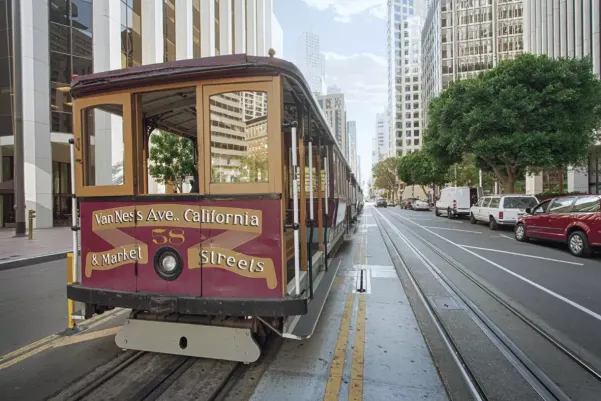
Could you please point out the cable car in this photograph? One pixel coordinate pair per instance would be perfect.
(211, 197)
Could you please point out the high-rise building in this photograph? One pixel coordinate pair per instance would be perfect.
(335, 111)
(60, 39)
(460, 39)
(569, 28)
(380, 141)
(404, 80)
(311, 61)
(351, 132)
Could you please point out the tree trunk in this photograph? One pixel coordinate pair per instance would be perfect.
(560, 171)
(509, 184)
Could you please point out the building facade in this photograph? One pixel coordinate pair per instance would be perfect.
(58, 39)
(567, 28)
(311, 61)
(404, 80)
(463, 38)
(380, 142)
(335, 110)
(351, 133)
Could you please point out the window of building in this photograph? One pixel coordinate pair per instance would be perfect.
(217, 40)
(70, 43)
(131, 33)
(169, 30)
(196, 28)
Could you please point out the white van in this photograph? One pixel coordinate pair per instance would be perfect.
(501, 209)
(457, 201)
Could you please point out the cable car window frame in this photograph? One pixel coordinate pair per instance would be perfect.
(273, 88)
(127, 188)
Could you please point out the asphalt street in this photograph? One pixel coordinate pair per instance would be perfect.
(33, 303)
(548, 285)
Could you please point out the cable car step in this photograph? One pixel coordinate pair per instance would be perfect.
(195, 340)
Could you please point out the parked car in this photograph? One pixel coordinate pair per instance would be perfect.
(419, 204)
(573, 219)
(501, 210)
(406, 203)
(381, 202)
(457, 201)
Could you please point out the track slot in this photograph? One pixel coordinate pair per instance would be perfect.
(362, 281)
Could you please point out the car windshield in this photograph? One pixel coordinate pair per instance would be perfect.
(519, 202)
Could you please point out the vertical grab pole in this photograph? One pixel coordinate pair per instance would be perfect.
(73, 276)
(311, 217)
(325, 229)
(295, 210)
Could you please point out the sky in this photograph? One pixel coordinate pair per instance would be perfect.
(352, 36)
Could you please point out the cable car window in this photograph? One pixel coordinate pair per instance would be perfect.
(103, 145)
(239, 140)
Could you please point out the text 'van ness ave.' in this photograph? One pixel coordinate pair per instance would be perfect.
(220, 216)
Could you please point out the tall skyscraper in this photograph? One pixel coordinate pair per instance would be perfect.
(461, 39)
(311, 61)
(351, 132)
(77, 37)
(404, 80)
(380, 142)
(335, 111)
(568, 29)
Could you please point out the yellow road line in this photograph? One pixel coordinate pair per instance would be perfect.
(60, 343)
(356, 385)
(51, 341)
(28, 347)
(337, 367)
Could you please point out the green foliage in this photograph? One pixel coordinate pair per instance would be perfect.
(171, 159)
(419, 168)
(530, 112)
(385, 175)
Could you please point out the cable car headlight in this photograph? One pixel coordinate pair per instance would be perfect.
(168, 263)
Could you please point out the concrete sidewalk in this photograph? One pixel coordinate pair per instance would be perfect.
(47, 244)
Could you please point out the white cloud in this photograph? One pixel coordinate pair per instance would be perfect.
(362, 77)
(345, 9)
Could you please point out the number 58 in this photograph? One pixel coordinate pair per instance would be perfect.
(175, 236)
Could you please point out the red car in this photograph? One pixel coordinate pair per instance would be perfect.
(573, 219)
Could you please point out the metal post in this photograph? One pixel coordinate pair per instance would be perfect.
(496, 187)
(480, 177)
(70, 302)
(19, 163)
(295, 211)
(31, 217)
(325, 229)
(74, 215)
(311, 220)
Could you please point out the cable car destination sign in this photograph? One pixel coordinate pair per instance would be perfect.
(172, 224)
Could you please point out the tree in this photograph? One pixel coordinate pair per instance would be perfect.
(385, 175)
(418, 168)
(171, 159)
(529, 112)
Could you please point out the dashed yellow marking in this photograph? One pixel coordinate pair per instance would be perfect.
(356, 385)
(337, 367)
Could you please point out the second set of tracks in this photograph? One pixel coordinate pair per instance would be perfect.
(546, 385)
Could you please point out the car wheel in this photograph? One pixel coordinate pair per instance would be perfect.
(436, 212)
(449, 215)
(473, 219)
(493, 223)
(520, 233)
(578, 244)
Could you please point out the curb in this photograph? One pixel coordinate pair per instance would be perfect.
(34, 260)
